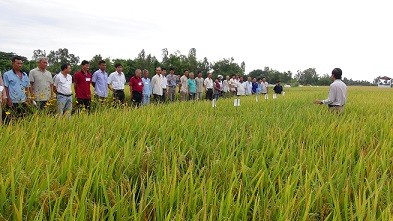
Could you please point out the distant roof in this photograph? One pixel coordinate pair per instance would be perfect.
(385, 78)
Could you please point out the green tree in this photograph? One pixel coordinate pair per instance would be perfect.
(59, 57)
(37, 54)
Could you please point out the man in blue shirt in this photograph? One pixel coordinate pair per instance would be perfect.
(146, 93)
(17, 84)
(100, 81)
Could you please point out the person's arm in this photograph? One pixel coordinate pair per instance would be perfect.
(94, 79)
(330, 98)
(31, 79)
(75, 77)
(110, 82)
(3, 93)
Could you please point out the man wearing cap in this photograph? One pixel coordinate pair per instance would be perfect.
(337, 93)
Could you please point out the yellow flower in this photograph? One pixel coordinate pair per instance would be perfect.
(8, 113)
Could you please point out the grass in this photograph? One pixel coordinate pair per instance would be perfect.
(283, 159)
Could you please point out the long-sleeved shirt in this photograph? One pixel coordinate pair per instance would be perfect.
(156, 84)
(337, 94)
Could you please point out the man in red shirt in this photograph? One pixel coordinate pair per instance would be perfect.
(136, 87)
(82, 81)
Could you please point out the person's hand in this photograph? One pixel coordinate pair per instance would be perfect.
(9, 102)
(317, 102)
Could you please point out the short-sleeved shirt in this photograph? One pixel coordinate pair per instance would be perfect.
(100, 78)
(146, 86)
(199, 83)
(208, 83)
(117, 80)
(184, 84)
(264, 87)
(42, 81)
(136, 84)
(16, 86)
(63, 83)
(171, 78)
(241, 88)
(192, 85)
(82, 83)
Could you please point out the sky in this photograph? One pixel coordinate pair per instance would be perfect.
(285, 35)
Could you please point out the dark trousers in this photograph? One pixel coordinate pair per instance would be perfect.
(83, 103)
(163, 98)
(119, 95)
(137, 98)
(192, 96)
(20, 109)
(157, 98)
(209, 94)
(41, 104)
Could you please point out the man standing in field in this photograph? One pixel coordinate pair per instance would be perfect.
(156, 85)
(337, 93)
(17, 84)
(277, 89)
(41, 82)
(3, 98)
(191, 86)
(183, 86)
(62, 86)
(232, 85)
(225, 86)
(116, 82)
(208, 83)
(82, 81)
(248, 86)
(199, 86)
(264, 88)
(136, 87)
(100, 81)
(164, 85)
(146, 88)
(240, 90)
(171, 84)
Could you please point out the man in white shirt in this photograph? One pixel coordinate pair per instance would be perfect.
(248, 84)
(337, 93)
(183, 86)
(116, 82)
(240, 87)
(225, 86)
(164, 84)
(232, 85)
(62, 83)
(208, 83)
(156, 85)
(264, 88)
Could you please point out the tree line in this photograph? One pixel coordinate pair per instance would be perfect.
(177, 60)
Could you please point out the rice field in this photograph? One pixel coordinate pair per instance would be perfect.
(283, 159)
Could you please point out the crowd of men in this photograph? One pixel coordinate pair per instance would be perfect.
(19, 89)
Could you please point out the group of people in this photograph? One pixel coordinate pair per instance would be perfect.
(38, 87)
